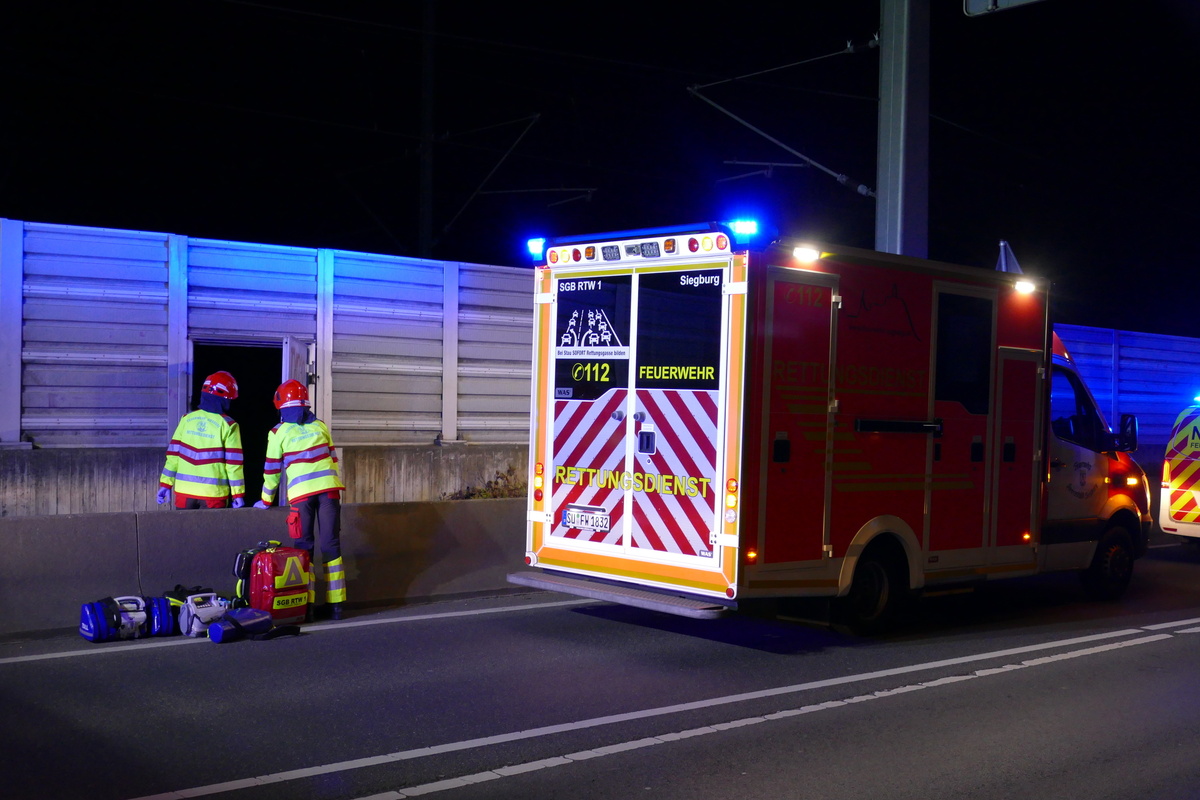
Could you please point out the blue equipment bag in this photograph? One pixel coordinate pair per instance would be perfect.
(161, 617)
(248, 623)
(127, 617)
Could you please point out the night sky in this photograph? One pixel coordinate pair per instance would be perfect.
(1066, 129)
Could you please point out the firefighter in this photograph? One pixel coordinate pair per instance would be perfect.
(301, 448)
(204, 459)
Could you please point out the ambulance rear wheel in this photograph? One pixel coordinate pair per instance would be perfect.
(875, 594)
(1112, 567)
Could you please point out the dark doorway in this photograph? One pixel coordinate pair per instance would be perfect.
(258, 372)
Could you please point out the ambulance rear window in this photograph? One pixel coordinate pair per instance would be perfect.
(679, 330)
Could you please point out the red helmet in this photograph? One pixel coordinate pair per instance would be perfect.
(221, 384)
(291, 393)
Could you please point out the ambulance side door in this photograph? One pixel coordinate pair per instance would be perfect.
(1076, 467)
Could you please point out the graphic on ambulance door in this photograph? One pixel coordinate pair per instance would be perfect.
(678, 374)
(1179, 504)
(1078, 473)
(591, 385)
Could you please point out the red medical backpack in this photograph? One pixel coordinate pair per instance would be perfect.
(274, 578)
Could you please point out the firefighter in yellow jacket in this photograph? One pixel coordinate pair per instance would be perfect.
(204, 459)
(301, 449)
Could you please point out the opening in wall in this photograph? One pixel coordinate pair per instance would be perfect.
(258, 371)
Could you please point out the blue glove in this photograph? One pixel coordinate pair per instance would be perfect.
(164, 494)
(261, 504)
(238, 502)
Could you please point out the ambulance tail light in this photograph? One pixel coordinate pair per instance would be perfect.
(731, 491)
(538, 481)
(751, 555)
(1166, 475)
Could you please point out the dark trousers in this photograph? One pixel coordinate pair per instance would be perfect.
(323, 510)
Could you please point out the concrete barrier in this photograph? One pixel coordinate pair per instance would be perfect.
(52, 565)
(394, 553)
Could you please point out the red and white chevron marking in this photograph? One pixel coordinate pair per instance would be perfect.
(587, 437)
(685, 424)
(1184, 469)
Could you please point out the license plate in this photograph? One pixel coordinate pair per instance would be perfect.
(585, 518)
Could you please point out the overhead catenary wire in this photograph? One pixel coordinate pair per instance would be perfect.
(842, 178)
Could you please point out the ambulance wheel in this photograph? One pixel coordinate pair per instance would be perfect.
(1112, 567)
(875, 594)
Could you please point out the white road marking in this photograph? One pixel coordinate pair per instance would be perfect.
(1179, 623)
(570, 758)
(649, 713)
(140, 645)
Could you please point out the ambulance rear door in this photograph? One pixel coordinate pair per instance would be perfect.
(640, 412)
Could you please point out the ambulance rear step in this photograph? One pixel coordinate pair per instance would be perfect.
(695, 608)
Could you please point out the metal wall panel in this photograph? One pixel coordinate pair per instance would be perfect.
(387, 349)
(413, 350)
(1151, 375)
(495, 347)
(94, 336)
(239, 291)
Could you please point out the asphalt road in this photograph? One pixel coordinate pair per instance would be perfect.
(1021, 688)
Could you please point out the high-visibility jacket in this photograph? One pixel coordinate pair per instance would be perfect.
(304, 453)
(204, 458)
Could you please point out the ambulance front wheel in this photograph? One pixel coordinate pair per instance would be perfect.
(876, 593)
(1112, 567)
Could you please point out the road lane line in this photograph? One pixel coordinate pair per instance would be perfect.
(140, 645)
(1179, 623)
(362, 623)
(650, 713)
(637, 744)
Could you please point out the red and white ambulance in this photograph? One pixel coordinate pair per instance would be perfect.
(712, 423)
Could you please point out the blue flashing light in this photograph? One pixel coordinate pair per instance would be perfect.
(744, 231)
(536, 248)
(744, 227)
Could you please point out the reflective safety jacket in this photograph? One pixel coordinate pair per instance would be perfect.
(204, 458)
(304, 453)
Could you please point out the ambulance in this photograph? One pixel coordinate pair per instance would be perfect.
(1179, 500)
(714, 422)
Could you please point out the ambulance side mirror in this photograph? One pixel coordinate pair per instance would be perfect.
(1126, 440)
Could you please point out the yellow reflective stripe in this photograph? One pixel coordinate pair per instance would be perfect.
(335, 581)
